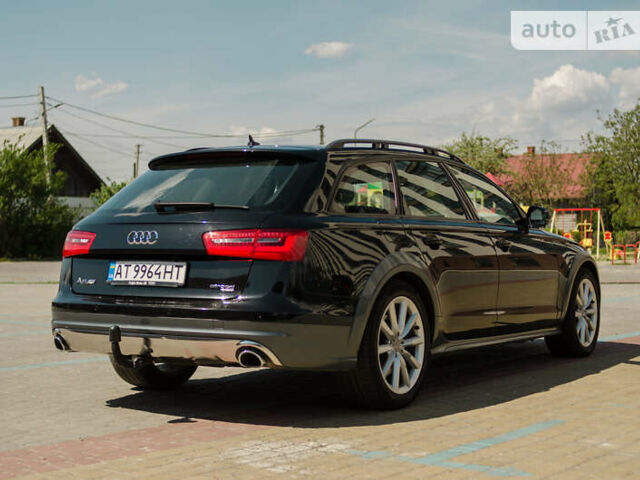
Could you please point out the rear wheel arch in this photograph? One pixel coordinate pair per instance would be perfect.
(392, 360)
(388, 272)
(421, 288)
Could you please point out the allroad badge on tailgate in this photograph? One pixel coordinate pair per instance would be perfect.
(142, 237)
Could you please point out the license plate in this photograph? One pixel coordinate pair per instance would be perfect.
(147, 274)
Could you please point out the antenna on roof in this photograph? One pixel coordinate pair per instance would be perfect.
(252, 142)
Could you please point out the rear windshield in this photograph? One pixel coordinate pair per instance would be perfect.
(257, 184)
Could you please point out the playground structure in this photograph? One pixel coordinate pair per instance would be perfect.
(622, 251)
(578, 224)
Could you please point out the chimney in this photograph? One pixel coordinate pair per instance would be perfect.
(531, 150)
(17, 121)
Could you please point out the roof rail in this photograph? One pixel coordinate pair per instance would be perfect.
(376, 144)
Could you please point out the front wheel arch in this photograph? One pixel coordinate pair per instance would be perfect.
(588, 264)
(567, 343)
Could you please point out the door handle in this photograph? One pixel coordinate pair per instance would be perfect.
(432, 241)
(503, 244)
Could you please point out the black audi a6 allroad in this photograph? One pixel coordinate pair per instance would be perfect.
(363, 257)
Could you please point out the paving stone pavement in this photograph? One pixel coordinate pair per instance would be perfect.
(509, 410)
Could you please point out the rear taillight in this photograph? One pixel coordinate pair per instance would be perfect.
(283, 245)
(77, 243)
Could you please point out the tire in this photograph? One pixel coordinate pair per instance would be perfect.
(581, 325)
(160, 376)
(383, 350)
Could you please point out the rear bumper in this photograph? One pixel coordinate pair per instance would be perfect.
(203, 350)
(297, 342)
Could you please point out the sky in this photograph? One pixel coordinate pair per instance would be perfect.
(425, 71)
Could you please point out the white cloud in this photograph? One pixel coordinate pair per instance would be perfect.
(560, 105)
(328, 49)
(111, 88)
(84, 84)
(629, 82)
(96, 87)
(569, 87)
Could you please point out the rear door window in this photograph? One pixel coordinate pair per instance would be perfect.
(427, 190)
(366, 188)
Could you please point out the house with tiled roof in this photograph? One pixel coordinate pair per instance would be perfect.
(571, 166)
(81, 179)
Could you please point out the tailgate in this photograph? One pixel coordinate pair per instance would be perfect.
(167, 243)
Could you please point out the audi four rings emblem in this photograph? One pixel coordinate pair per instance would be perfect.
(142, 237)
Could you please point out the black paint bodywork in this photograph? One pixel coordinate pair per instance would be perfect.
(312, 314)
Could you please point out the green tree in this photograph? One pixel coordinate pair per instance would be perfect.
(106, 191)
(615, 170)
(33, 222)
(483, 153)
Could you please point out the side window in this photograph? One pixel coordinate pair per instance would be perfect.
(365, 188)
(427, 190)
(491, 204)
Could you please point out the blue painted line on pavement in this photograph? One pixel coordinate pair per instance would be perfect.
(443, 459)
(30, 366)
(620, 336)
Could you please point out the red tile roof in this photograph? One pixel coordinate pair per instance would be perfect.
(574, 164)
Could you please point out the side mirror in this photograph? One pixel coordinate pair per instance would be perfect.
(538, 217)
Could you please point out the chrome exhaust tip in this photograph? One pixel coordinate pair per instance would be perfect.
(60, 342)
(250, 358)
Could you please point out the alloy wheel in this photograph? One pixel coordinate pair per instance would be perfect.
(586, 312)
(401, 345)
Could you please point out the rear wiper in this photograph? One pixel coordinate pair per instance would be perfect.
(170, 207)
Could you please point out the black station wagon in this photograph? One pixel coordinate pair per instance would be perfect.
(363, 257)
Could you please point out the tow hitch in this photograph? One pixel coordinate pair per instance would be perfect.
(115, 336)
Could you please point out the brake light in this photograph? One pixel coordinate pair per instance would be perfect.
(282, 245)
(77, 243)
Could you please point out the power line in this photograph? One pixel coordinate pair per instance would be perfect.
(97, 144)
(18, 96)
(122, 132)
(133, 135)
(175, 137)
(184, 132)
(37, 117)
(97, 135)
(18, 105)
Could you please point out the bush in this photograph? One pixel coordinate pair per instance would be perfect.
(106, 191)
(33, 222)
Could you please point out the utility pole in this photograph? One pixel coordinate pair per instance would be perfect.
(321, 129)
(45, 132)
(136, 166)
